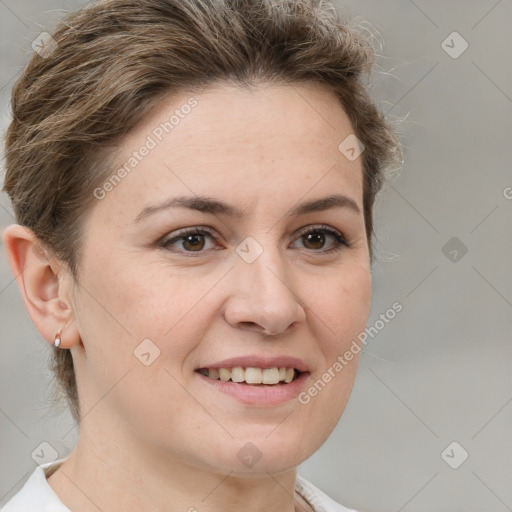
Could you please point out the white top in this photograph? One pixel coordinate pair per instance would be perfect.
(36, 495)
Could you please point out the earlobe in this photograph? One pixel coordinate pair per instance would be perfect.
(43, 283)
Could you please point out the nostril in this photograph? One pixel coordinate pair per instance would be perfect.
(249, 324)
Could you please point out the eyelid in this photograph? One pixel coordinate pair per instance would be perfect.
(176, 235)
(340, 238)
(320, 227)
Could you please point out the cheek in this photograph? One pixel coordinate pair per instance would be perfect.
(341, 309)
(119, 311)
(342, 306)
(137, 300)
(125, 310)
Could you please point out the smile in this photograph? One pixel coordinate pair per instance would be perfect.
(252, 375)
(261, 387)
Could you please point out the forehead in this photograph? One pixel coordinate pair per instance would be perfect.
(272, 139)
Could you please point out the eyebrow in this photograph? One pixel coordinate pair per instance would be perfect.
(213, 206)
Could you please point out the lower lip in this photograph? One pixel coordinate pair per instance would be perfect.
(259, 394)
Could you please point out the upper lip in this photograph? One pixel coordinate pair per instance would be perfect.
(255, 361)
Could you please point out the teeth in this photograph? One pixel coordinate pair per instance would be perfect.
(251, 375)
(271, 375)
(237, 374)
(213, 373)
(224, 374)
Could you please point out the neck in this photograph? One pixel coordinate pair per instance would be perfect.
(112, 475)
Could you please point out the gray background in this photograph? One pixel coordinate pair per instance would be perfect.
(439, 372)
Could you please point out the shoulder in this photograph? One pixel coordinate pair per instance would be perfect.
(36, 495)
(317, 498)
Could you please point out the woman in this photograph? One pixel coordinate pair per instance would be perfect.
(193, 182)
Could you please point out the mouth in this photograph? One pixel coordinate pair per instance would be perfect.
(253, 376)
(258, 380)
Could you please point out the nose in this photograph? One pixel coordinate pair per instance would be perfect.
(262, 297)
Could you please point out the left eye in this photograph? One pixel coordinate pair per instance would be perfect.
(193, 241)
(317, 237)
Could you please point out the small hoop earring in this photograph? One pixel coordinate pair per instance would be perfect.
(58, 339)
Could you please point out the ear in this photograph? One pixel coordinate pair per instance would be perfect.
(45, 283)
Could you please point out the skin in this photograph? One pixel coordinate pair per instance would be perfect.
(157, 437)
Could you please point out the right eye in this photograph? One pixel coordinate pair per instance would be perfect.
(191, 241)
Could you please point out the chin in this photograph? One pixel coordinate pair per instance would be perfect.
(253, 456)
(261, 469)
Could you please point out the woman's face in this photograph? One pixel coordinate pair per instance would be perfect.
(166, 290)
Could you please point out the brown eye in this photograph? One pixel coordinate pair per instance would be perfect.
(192, 241)
(316, 238)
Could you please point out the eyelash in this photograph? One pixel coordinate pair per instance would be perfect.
(338, 237)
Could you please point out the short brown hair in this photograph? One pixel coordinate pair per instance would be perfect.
(116, 59)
